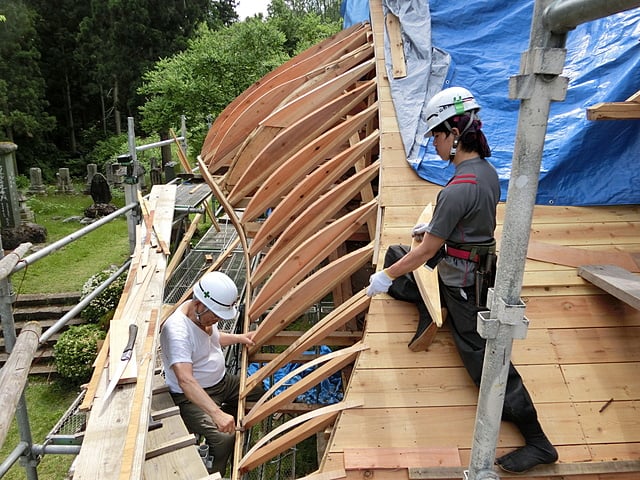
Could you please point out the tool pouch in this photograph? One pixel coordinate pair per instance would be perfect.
(485, 277)
(433, 261)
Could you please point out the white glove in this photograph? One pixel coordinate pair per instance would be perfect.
(379, 282)
(420, 229)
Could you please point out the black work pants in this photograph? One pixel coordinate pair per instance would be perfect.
(462, 316)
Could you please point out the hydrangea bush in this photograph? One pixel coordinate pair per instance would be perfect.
(100, 310)
(76, 350)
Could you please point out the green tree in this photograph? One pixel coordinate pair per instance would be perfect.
(215, 68)
(305, 22)
(23, 117)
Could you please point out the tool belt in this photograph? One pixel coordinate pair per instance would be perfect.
(485, 256)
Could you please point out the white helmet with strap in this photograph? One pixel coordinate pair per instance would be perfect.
(218, 293)
(447, 104)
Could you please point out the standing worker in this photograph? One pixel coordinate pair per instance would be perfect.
(195, 368)
(460, 240)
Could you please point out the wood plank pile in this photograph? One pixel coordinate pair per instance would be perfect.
(117, 442)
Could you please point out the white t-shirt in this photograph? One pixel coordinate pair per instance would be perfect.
(183, 342)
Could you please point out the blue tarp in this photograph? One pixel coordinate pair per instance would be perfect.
(478, 45)
(327, 392)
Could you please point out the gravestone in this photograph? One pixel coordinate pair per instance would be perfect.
(101, 195)
(14, 231)
(92, 169)
(64, 181)
(36, 187)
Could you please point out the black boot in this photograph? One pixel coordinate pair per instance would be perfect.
(538, 450)
(426, 331)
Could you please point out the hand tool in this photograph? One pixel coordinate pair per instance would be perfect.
(124, 361)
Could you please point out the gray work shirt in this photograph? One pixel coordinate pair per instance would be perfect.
(466, 213)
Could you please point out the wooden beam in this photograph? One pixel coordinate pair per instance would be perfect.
(176, 444)
(617, 281)
(614, 111)
(308, 191)
(556, 470)
(333, 362)
(307, 256)
(14, 374)
(396, 45)
(329, 413)
(338, 317)
(314, 287)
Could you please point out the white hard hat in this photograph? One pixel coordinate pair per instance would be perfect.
(449, 103)
(218, 293)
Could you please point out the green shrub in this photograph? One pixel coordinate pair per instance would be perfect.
(76, 350)
(101, 308)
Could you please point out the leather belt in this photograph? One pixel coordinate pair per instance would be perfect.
(463, 254)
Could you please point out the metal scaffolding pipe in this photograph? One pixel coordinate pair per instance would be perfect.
(564, 15)
(83, 303)
(25, 262)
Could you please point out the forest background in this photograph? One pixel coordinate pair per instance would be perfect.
(72, 72)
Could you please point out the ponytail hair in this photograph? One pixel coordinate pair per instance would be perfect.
(472, 138)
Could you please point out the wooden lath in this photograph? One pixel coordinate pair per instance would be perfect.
(115, 436)
(627, 110)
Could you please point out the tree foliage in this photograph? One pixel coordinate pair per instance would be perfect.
(71, 72)
(215, 68)
(22, 89)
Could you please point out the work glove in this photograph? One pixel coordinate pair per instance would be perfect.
(419, 230)
(379, 282)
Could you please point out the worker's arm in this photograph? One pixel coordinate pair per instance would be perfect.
(232, 338)
(196, 395)
(417, 257)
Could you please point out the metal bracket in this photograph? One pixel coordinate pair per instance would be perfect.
(489, 322)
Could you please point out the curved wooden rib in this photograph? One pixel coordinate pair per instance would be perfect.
(313, 57)
(333, 362)
(290, 112)
(313, 422)
(294, 137)
(308, 190)
(308, 255)
(311, 220)
(312, 289)
(426, 279)
(292, 170)
(291, 109)
(314, 336)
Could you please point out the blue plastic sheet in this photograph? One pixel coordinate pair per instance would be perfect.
(584, 162)
(327, 392)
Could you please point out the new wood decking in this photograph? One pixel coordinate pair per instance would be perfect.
(578, 360)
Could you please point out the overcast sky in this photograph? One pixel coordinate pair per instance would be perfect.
(248, 8)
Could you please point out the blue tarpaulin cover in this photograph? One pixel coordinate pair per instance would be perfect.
(327, 392)
(478, 45)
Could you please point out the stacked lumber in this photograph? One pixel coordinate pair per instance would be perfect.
(115, 443)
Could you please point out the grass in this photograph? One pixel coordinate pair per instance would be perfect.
(47, 401)
(68, 268)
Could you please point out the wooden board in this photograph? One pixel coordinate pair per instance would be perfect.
(617, 281)
(393, 458)
(293, 169)
(576, 257)
(314, 336)
(296, 136)
(307, 256)
(313, 288)
(426, 279)
(312, 220)
(308, 190)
